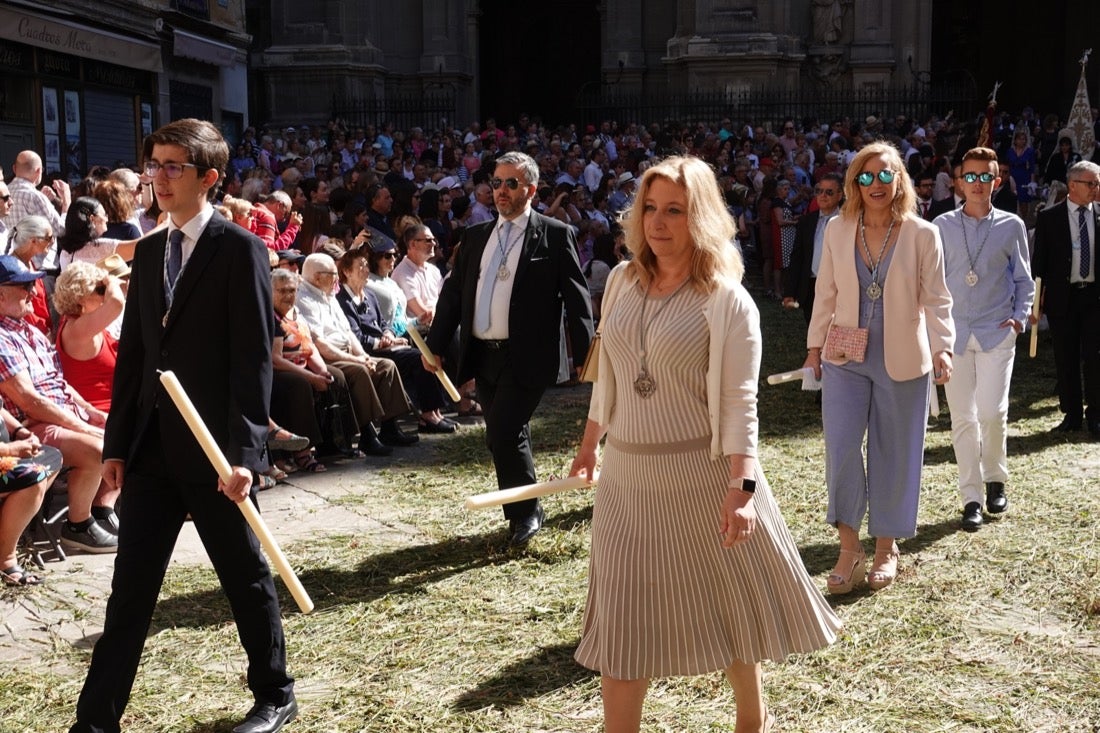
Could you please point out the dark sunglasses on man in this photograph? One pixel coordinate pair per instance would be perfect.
(512, 183)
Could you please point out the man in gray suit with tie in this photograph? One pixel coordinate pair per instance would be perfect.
(507, 290)
(1065, 258)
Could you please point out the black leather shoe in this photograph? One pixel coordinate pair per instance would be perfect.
(995, 499)
(972, 516)
(393, 435)
(266, 717)
(1068, 425)
(443, 426)
(1094, 431)
(524, 529)
(370, 444)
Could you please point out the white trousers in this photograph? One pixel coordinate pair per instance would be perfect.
(978, 397)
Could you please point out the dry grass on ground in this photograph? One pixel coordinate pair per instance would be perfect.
(994, 631)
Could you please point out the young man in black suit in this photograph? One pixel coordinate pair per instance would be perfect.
(1065, 258)
(510, 281)
(199, 304)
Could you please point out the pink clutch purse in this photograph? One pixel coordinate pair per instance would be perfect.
(844, 342)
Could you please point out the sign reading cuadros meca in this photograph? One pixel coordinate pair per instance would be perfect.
(65, 37)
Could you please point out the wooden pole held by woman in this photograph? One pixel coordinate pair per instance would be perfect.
(530, 491)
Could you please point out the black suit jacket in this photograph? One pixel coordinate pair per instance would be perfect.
(797, 281)
(1053, 256)
(365, 319)
(548, 276)
(216, 338)
(941, 207)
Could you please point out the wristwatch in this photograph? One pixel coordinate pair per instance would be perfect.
(748, 486)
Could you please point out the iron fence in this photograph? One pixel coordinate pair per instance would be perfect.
(430, 111)
(769, 107)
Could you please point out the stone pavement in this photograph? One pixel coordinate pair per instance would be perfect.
(69, 607)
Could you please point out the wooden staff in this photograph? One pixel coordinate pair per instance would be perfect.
(530, 491)
(794, 375)
(1035, 314)
(225, 471)
(439, 373)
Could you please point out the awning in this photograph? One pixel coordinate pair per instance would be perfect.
(190, 46)
(63, 36)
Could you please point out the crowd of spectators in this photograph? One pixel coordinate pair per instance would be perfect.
(361, 223)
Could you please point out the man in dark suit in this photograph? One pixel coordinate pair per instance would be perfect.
(952, 202)
(199, 304)
(1065, 258)
(924, 182)
(506, 291)
(801, 276)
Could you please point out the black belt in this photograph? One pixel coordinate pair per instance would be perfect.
(1081, 286)
(493, 344)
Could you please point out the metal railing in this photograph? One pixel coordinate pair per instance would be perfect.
(769, 107)
(405, 111)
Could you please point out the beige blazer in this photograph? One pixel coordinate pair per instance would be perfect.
(916, 302)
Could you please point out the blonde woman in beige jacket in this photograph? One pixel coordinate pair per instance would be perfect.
(881, 269)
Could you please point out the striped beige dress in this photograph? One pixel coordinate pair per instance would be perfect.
(664, 597)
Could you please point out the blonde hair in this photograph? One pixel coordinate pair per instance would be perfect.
(904, 205)
(76, 282)
(236, 207)
(709, 222)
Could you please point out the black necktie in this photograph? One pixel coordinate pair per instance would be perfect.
(175, 256)
(1086, 254)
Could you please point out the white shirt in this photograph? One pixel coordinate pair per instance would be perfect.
(502, 291)
(92, 252)
(192, 230)
(421, 283)
(325, 318)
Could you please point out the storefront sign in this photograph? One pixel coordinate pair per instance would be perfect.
(15, 58)
(69, 38)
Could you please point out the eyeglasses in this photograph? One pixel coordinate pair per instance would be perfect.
(971, 177)
(1090, 184)
(6, 197)
(866, 178)
(171, 170)
(48, 238)
(286, 291)
(825, 191)
(512, 183)
(388, 255)
(328, 273)
(431, 240)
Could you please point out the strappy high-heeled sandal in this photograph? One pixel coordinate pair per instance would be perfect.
(838, 584)
(884, 568)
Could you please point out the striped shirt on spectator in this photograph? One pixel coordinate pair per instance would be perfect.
(24, 348)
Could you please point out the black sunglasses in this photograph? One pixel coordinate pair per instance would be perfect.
(6, 197)
(512, 183)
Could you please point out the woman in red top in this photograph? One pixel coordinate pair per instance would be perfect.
(88, 300)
